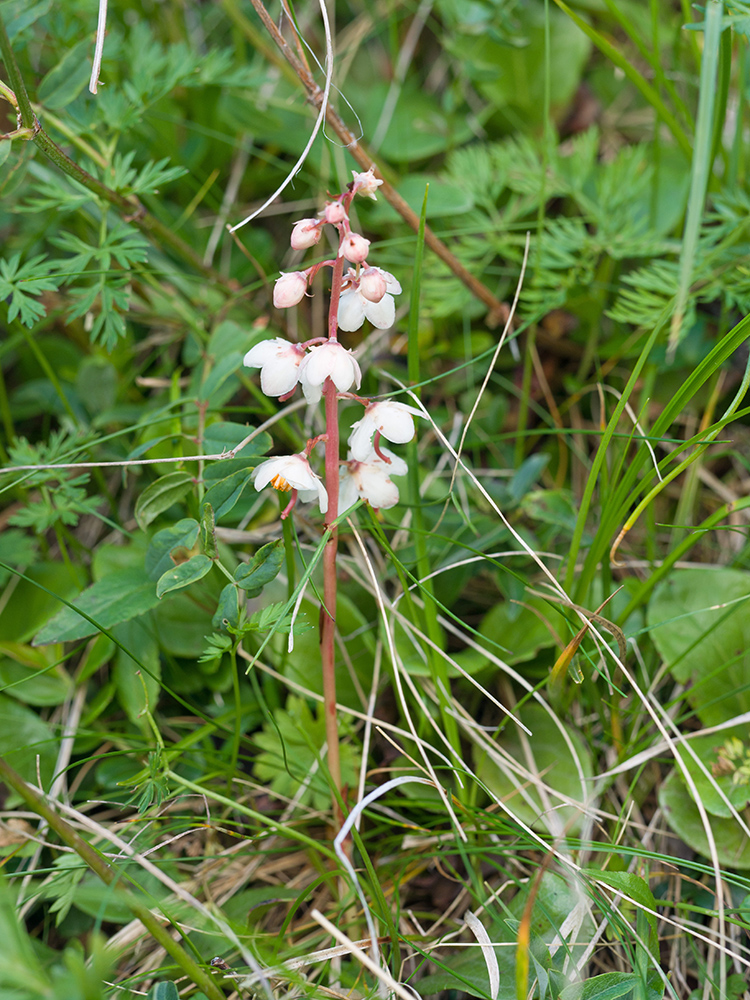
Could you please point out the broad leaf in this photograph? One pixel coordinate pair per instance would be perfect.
(160, 496)
(116, 598)
(183, 575)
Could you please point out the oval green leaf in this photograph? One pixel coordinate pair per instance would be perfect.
(160, 496)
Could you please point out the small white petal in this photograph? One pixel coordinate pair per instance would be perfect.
(348, 495)
(351, 310)
(381, 314)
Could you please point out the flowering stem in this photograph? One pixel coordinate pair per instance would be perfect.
(328, 617)
(330, 583)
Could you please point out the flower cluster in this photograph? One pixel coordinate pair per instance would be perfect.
(323, 365)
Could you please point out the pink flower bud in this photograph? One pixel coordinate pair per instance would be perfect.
(366, 184)
(289, 289)
(354, 247)
(372, 284)
(334, 212)
(305, 234)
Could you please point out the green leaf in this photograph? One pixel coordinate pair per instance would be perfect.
(134, 686)
(609, 986)
(20, 283)
(160, 496)
(635, 888)
(183, 534)
(183, 575)
(23, 737)
(29, 607)
(221, 371)
(700, 624)
(262, 568)
(227, 492)
(163, 991)
(545, 753)
(33, 676)
(66, 81)
(113, 599)
(228, 608)
(732, 846)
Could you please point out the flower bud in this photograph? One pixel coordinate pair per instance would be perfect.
(306, 233)
(366, 184)
(372, 284)
(354, 247)
(289, 289)
(334, 212)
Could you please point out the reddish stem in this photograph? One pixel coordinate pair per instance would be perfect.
(328, 617)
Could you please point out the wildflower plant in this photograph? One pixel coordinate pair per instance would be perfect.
(326, 370)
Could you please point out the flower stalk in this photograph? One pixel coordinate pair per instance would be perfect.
(326, 370)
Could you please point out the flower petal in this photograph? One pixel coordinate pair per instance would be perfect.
(381, 314)
(351, 311)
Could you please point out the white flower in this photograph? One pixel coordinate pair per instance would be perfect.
(279, 363)
(291, 472)
(395, 421)
(370, 481)
(355, 307)
(354, 247)
(306, 233)
(289, 289)
(329, 360)
(367, 183)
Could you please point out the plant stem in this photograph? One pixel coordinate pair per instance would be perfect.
(109, 874)
(330, 583)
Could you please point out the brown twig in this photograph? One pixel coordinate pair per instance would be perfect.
(498, 311)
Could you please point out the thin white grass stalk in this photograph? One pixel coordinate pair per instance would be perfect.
(238, 169)
(67, 739)
(636, 423)
(510, 672)
(488, 952)
(247, 982)
(348, 710)
(174, 887)
(654, 711)
(459, 461)
(468, 562)
(368, 725)
(219, 456)
(101, 28)
(397, 680)
(341, 836)
(316, 128)
(385, 979)
(493, 362)
(655, 751)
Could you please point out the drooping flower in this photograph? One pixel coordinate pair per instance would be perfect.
(279, 363)
(291, 472)
(372, 284)
(289, 289)
(366, 183)
(306, 233)
(329, 360)
(395, 421)
(354, 247)
(355, 307)
(370, 480)
(334, 212)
